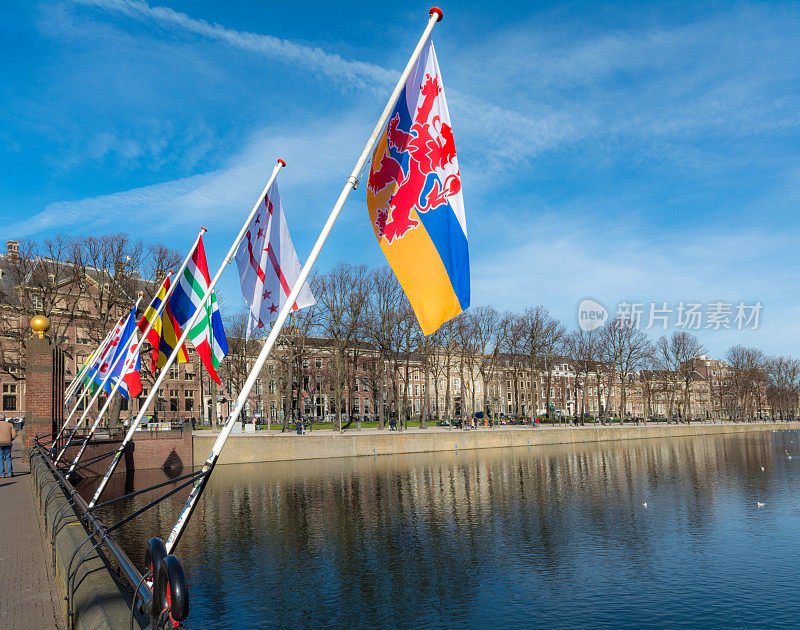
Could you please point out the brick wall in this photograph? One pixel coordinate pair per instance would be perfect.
(170, 450)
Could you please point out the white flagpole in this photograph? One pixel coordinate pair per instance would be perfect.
(435, 15)
(151, 395)
(73, 386)
(96, 394)
(86, 387)
(77, 382)
(129, 362)
(186, 329)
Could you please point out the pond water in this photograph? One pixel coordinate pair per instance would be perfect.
(543, 536)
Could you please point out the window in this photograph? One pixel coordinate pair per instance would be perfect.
(188, 402)
(9, 397)
(416, 389)
(123, 404)
(305, 364)
(82, 335)
(272, 387)
(37, 302)
(357, 405)
(173, 400)
(173, 371)
(366, 405)
(189, 376)
(318, 363)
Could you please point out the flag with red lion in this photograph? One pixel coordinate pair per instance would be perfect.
(415, 202)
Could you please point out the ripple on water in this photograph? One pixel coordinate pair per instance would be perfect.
(553, 537)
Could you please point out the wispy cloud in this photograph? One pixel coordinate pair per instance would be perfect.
(332, 66)
(216, 198)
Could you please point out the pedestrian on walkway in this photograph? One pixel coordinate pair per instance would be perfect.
(7, 435)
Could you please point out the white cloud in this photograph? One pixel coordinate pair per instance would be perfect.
(352, 73)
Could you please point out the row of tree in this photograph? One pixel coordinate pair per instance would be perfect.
(368, 322)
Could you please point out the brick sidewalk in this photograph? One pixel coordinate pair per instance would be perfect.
(28, 594)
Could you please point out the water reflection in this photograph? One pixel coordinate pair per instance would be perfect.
(507, 537)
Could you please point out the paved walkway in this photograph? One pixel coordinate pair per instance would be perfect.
(28, 595)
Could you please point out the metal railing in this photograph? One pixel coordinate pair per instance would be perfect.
(99, 535)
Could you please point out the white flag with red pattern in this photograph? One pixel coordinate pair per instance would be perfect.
(268, 264)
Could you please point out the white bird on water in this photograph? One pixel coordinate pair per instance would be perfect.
(760, 504)
(644, 504)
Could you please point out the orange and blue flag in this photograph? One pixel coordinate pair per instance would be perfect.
(415, 202)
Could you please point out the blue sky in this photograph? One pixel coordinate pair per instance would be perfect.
(619, 151)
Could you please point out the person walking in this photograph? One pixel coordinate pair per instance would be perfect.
(7, 435)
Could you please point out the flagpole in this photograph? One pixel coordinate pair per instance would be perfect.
(435, 15)
(77, 382)
(186, 329)
(96, 395)
(73, 386)
(86, 386)
(129, 361)
(143, 407)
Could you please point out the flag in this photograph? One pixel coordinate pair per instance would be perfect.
(414, 199)
(208, 334)
(268, 264)
(101, 363)
(164, 333)
(123, 361)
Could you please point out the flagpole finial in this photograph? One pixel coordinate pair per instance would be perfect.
(282, 161)
(171, 271)
(203, 230)
(438, 11)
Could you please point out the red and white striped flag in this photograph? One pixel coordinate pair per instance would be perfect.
(268, 264)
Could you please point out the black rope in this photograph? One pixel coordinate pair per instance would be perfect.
(191, 475)
(156, 501)
(93, 460)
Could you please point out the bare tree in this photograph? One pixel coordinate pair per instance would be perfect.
(382, 330)
(486, 339)
(513, 345)
(630, 347)
(582, 346)
(341, 296)
(747, 380)
(783, 386)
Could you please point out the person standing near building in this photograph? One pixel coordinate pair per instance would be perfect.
(7, 435)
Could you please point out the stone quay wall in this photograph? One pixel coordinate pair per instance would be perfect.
(100, 601)
(263, 447)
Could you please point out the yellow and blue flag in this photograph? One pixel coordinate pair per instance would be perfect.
(164, 333)
(415, 202)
